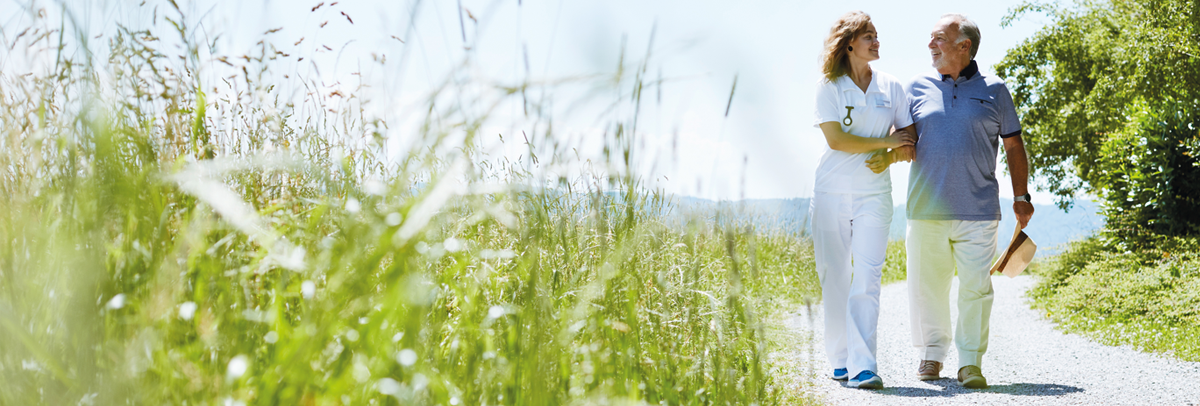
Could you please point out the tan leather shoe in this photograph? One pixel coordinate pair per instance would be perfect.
(929, 370)
(971, 377)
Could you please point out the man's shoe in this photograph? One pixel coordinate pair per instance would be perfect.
(971, 377)
(840, 374)
(867, 380)
(929, 370)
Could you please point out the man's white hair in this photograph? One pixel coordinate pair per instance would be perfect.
(967, 29)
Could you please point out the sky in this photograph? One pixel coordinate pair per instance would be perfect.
(766, 147)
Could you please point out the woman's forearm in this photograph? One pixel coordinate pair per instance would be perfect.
(841, 141)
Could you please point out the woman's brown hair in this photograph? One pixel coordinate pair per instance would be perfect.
(835, 60)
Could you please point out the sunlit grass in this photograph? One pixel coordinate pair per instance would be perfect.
(1149, 299)
(147, 258)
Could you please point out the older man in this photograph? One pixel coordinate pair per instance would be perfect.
(961, 117)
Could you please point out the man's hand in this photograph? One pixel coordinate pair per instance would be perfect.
(1024, 211)
(904, 154)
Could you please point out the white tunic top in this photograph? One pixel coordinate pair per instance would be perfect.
(884, 105)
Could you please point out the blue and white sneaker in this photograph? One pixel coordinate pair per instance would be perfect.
(840, 374)
(866, 380)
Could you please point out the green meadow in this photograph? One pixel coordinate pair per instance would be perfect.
(163, 244)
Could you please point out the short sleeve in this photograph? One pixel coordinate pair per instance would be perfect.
(1010, 125)
(827, 103)
(912, 100)
(900, 107)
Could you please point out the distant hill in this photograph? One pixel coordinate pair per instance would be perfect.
(1050, 227)
(765, 214)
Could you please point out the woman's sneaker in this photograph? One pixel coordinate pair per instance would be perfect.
(840, 374)
(867, 380)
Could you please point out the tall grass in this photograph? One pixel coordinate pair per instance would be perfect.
(163, 245)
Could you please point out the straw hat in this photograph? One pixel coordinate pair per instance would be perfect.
(1017, 256)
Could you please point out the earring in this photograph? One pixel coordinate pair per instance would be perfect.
(851, 49)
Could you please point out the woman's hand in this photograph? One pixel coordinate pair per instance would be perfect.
(900, 138)
(880, 160)
(902, 150)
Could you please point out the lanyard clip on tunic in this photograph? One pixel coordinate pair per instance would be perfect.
(847, 121)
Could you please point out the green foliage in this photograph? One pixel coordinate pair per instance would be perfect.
(1109, 94)
(1082, 83)
(1149, 299)
(146, 258)
(1152, 183)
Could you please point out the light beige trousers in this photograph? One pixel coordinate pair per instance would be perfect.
(935, 249)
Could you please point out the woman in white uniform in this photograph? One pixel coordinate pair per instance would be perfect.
(852, 206)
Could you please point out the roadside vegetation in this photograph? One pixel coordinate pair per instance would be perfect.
(1109, 95)
(165, 244)
(895, 266)
(1148, 299)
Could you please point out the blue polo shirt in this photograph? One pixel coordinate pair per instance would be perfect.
(959, 125)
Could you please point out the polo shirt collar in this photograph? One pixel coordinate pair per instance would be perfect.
(847, 84)
(968, 72)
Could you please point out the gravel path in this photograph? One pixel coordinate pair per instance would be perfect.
(1028, 362)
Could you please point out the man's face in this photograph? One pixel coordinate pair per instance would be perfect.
(948, 57)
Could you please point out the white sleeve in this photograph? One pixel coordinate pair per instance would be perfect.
(828, 103)
(900, 107)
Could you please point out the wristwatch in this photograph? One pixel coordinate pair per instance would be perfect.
(1023, 198)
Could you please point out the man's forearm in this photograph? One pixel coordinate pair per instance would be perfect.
(1018, 168)
(1018, 164)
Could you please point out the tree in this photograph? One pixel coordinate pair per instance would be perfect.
(1109, 96)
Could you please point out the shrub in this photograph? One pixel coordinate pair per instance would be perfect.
(1152, 186)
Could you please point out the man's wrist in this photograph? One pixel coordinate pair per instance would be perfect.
(1027, 198)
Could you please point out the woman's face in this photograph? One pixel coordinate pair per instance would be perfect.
(866, 46)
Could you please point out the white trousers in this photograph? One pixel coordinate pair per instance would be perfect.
(935, 249)
(850, 234)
